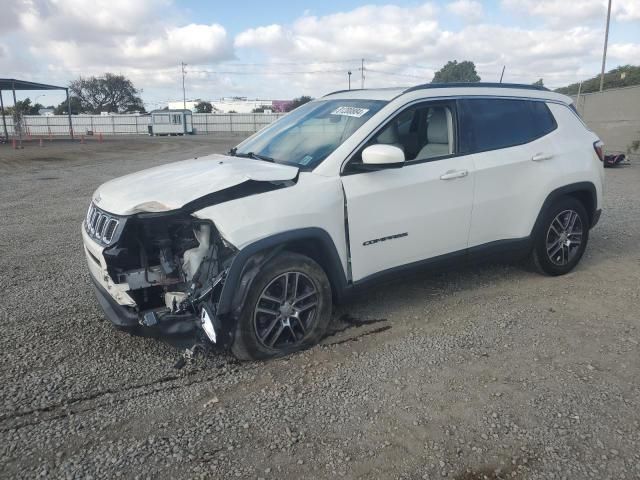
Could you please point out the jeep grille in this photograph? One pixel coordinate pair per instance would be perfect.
(101, 225)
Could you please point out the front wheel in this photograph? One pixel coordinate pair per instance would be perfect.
(562, 239)
(287, 308)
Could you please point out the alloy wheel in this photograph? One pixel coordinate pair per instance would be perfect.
(286, 311)
(564, 237)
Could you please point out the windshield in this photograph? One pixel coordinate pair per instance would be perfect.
(310, 133)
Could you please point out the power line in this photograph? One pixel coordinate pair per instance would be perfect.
(395, 74)
(235, 72)
(315, 62)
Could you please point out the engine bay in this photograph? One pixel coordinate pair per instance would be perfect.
(170, 261)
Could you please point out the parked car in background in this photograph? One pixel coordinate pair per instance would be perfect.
(252, 248)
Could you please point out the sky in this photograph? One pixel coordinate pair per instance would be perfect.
(272, 49)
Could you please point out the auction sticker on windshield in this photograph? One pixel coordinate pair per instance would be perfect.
(350, 111)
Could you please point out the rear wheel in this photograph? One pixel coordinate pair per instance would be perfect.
(287, 308)
(562, 238)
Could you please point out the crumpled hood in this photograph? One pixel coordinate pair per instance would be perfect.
(171, 186)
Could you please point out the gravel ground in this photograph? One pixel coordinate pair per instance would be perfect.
(483, 373)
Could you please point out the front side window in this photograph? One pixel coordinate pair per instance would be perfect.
(310, 133)
(494, 123)
(422, 132)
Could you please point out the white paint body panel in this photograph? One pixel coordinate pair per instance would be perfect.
(171, 186)
(98, 269)
(314, 201)
(510, 187)
(413, 200)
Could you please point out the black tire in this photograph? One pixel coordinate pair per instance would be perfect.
(544, 256)
(306, 327)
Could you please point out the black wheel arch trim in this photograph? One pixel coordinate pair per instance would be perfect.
(241, 272)
(565, 190)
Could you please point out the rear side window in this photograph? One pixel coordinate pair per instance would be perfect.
(493, 123)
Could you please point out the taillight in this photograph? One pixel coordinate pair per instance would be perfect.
(599, 148)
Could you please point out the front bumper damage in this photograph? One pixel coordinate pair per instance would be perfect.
(162, 271)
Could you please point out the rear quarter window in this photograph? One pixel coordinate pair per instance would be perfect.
(493, 123)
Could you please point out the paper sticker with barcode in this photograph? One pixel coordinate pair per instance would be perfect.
(350, 111)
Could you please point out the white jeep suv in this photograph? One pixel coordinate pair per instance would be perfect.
(252, 248)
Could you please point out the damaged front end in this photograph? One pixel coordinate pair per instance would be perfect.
(160, 270)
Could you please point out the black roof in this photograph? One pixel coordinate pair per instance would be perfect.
(15, 84)
(521, 86)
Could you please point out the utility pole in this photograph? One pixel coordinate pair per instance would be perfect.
(184, 95)
(362, 74)
(604, 51)
(349, 73)
(502, 74)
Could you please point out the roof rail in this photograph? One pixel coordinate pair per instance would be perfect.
(424, 86)
(363, 89)
(522, 86)
(342, 91)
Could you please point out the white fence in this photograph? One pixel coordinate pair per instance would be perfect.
(203, 123)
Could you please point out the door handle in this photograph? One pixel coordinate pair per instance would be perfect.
(539, 157)
(451, 174)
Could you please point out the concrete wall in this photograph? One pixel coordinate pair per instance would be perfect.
(614, 115)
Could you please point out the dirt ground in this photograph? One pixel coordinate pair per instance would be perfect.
(483, 373)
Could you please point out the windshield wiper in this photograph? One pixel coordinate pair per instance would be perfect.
(255, 156)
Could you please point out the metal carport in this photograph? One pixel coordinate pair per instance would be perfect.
(14, 84)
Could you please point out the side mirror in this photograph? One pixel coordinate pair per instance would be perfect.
(379, 156)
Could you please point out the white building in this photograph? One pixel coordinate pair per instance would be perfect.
(239, 105)
(225, 105)
(179, 105)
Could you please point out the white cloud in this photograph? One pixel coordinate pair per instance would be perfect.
(575, 11)
(192, 43)
(10, 10)
(469, 10)
(368, 31)
(56, 40)
(261, 36)
(398, 55)
(628, 11)
(85, 37)
(624, 52)
(560, 12)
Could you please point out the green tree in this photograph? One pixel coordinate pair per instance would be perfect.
(204, 107)
(24, 107)
(623, 76)
(63, 108)
(453, 71)
(296, 102)
(110, 93)
(538, 83)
